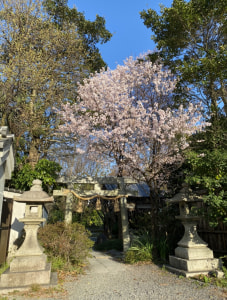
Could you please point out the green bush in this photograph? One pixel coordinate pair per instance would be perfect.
(89, 217)
(141, 249)
(67, 246)
(45, 170)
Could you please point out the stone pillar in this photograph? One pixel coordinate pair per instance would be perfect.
(68, 209)
(124, 222)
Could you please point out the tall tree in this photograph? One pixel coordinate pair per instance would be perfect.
(124, 114)
(206, 170)
(191, 39)
(91, 32)
(40, 65)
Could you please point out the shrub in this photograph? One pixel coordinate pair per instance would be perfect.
(67, 246)
(45, 170)
(89, 217)
(141, 249)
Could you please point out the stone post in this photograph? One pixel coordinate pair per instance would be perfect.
(124, 223)
(68, 209)
(124, 215)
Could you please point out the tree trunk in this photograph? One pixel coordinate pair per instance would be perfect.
(34, 155)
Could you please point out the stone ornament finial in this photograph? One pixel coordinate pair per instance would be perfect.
(36, 185)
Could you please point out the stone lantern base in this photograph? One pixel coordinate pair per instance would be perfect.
(25, 271)
(194, 267)
(192, 256)
(23, 279)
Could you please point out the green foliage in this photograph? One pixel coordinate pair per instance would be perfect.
(191, 40)
(35, 288)
(89, 217)
(224, 269)
(57, 263)
(66, 245)
(170, 230)
(141, 249)
(141, 222)
(212, 279)
(55, 215)
(162, 248)
(91, 32)
(4, 267)
(206, 169)
(45, 170)
(40, 66)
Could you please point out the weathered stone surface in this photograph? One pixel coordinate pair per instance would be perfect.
(194, 253)
(185, 273)
(28, 263)
(194, 265)
(18, 279)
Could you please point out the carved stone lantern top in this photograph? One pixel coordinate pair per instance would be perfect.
(187, 204)
(35, 195)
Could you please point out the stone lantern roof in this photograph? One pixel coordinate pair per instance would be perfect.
(35, 195)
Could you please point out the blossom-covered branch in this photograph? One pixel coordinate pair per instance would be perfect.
(126, 114)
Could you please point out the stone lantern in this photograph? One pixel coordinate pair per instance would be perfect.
(192, 256)
(29, 265)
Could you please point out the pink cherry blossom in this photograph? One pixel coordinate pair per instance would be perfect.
(125, 114)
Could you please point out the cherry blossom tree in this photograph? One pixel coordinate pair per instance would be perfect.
(126, 114)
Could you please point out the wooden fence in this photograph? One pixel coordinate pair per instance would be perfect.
(215, 237)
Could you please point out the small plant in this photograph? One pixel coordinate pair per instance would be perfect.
(35, 288)
(222, 282)
(212, 279)
(57, 263)
(162, 248)
(224, 269)
(206, 279)
(4, 267)
(141, 249)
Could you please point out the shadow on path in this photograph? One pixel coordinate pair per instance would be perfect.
(105, 262)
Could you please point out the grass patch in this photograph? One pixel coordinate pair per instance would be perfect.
(3, 268)
(212, 279)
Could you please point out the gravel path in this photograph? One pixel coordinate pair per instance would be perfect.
(108, 279)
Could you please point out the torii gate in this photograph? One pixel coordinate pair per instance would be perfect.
(121, 192)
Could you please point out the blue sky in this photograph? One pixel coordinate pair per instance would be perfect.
(130, 36)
